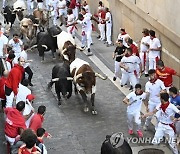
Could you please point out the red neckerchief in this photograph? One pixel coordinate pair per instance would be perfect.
(16, 40)
(123, 33)
(141, 92)
(10, 61)
(1, 33)
(40, 140)
(153, 80)
(164, 106)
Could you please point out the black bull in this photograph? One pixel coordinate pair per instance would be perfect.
(9, 15)
(63, 81)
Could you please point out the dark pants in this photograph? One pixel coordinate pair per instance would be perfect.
(29, 72)
(3, 103)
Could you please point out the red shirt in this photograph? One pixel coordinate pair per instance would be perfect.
(72, 4)
(2, 92)
(165, 75)
(36, 122)
(134, 49)
(14, 121)
(14, 78)
(23, 150)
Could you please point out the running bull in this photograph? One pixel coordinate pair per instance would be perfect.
(84, 81)
(63, 81)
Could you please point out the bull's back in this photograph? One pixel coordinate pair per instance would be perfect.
(62, 38)
(60, 70)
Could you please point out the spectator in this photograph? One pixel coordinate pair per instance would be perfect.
(38, 119)
(15, 122)
(2, 92)
(16, 44)
(165, 74)
(108, 20)
(12, 82)
(154, 50)
(134, 101)
(144, 45)
(117, 55)
(29, 146)
(27, 65)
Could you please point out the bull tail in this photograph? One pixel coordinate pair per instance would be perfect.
(50, 84)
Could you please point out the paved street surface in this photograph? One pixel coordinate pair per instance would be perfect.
(72, 130)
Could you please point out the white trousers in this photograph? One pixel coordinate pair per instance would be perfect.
(75, 12)
(152, 62)
(116, 68)
(151, 107)
(30, 6)
(102, 31)
(71, 30)
(144, 61)
(163, 130)
(54, 14)
(3, 4)
(9, 100)
(40, 5)
(128, 76)
(10, 140)
(108, 33)
(29, 120)
(133, 117)
(87, 38)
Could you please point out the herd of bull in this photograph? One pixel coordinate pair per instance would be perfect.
(72, 70)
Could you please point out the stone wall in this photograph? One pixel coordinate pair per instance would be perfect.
(134, 15)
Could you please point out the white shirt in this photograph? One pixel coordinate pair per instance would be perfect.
(131, 62)
(62, 5)
(166, 117)
(155, 43)
(136, 102)
(3, 41)
(86, 23)
(70, 19)
(154, 89)
(23, 91)
(16, 47)
(28, 108)
(108, 15)
(87, 8)
(143, 47)
(53, 3)
(8, 64)
(24, 55)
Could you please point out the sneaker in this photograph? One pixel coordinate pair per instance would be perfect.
(98, 37)
(130, 132)
(89, 53)
(114, 78)
(121, 85)
(61, 24)
(91, 43)
(140, 134)
(145, 127)
(105, 43)
(83, 47)
(30, 84)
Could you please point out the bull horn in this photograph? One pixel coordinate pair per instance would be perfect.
(36, 25)
(55, 79)
(55, 35)
(100, 76)
(34, 46)
(69, 78)
(36, 18)
(44, 46)
(4, 13)
(78, 76)
(63, 50)
(78, 47)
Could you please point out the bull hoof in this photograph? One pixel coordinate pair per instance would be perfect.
(94, 112)
(86, 109)
(59, 103)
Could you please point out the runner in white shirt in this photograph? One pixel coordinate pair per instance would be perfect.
(3, 44)
(62, 11)
(128, 64)
(54, 13)
(154, 50)
(123, 36)
(165, 125)
(153, 88)
(144, 46)
(70, 20)
(134, 101)
(16, 44)
(86, 6)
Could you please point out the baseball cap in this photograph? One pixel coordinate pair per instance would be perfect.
(30, 97)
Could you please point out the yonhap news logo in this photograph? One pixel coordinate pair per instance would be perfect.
(149, 140)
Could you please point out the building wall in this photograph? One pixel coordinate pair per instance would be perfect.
(161, 16)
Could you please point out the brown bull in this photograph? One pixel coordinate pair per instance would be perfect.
(28, 28)
(43, 17)
(84, 81)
